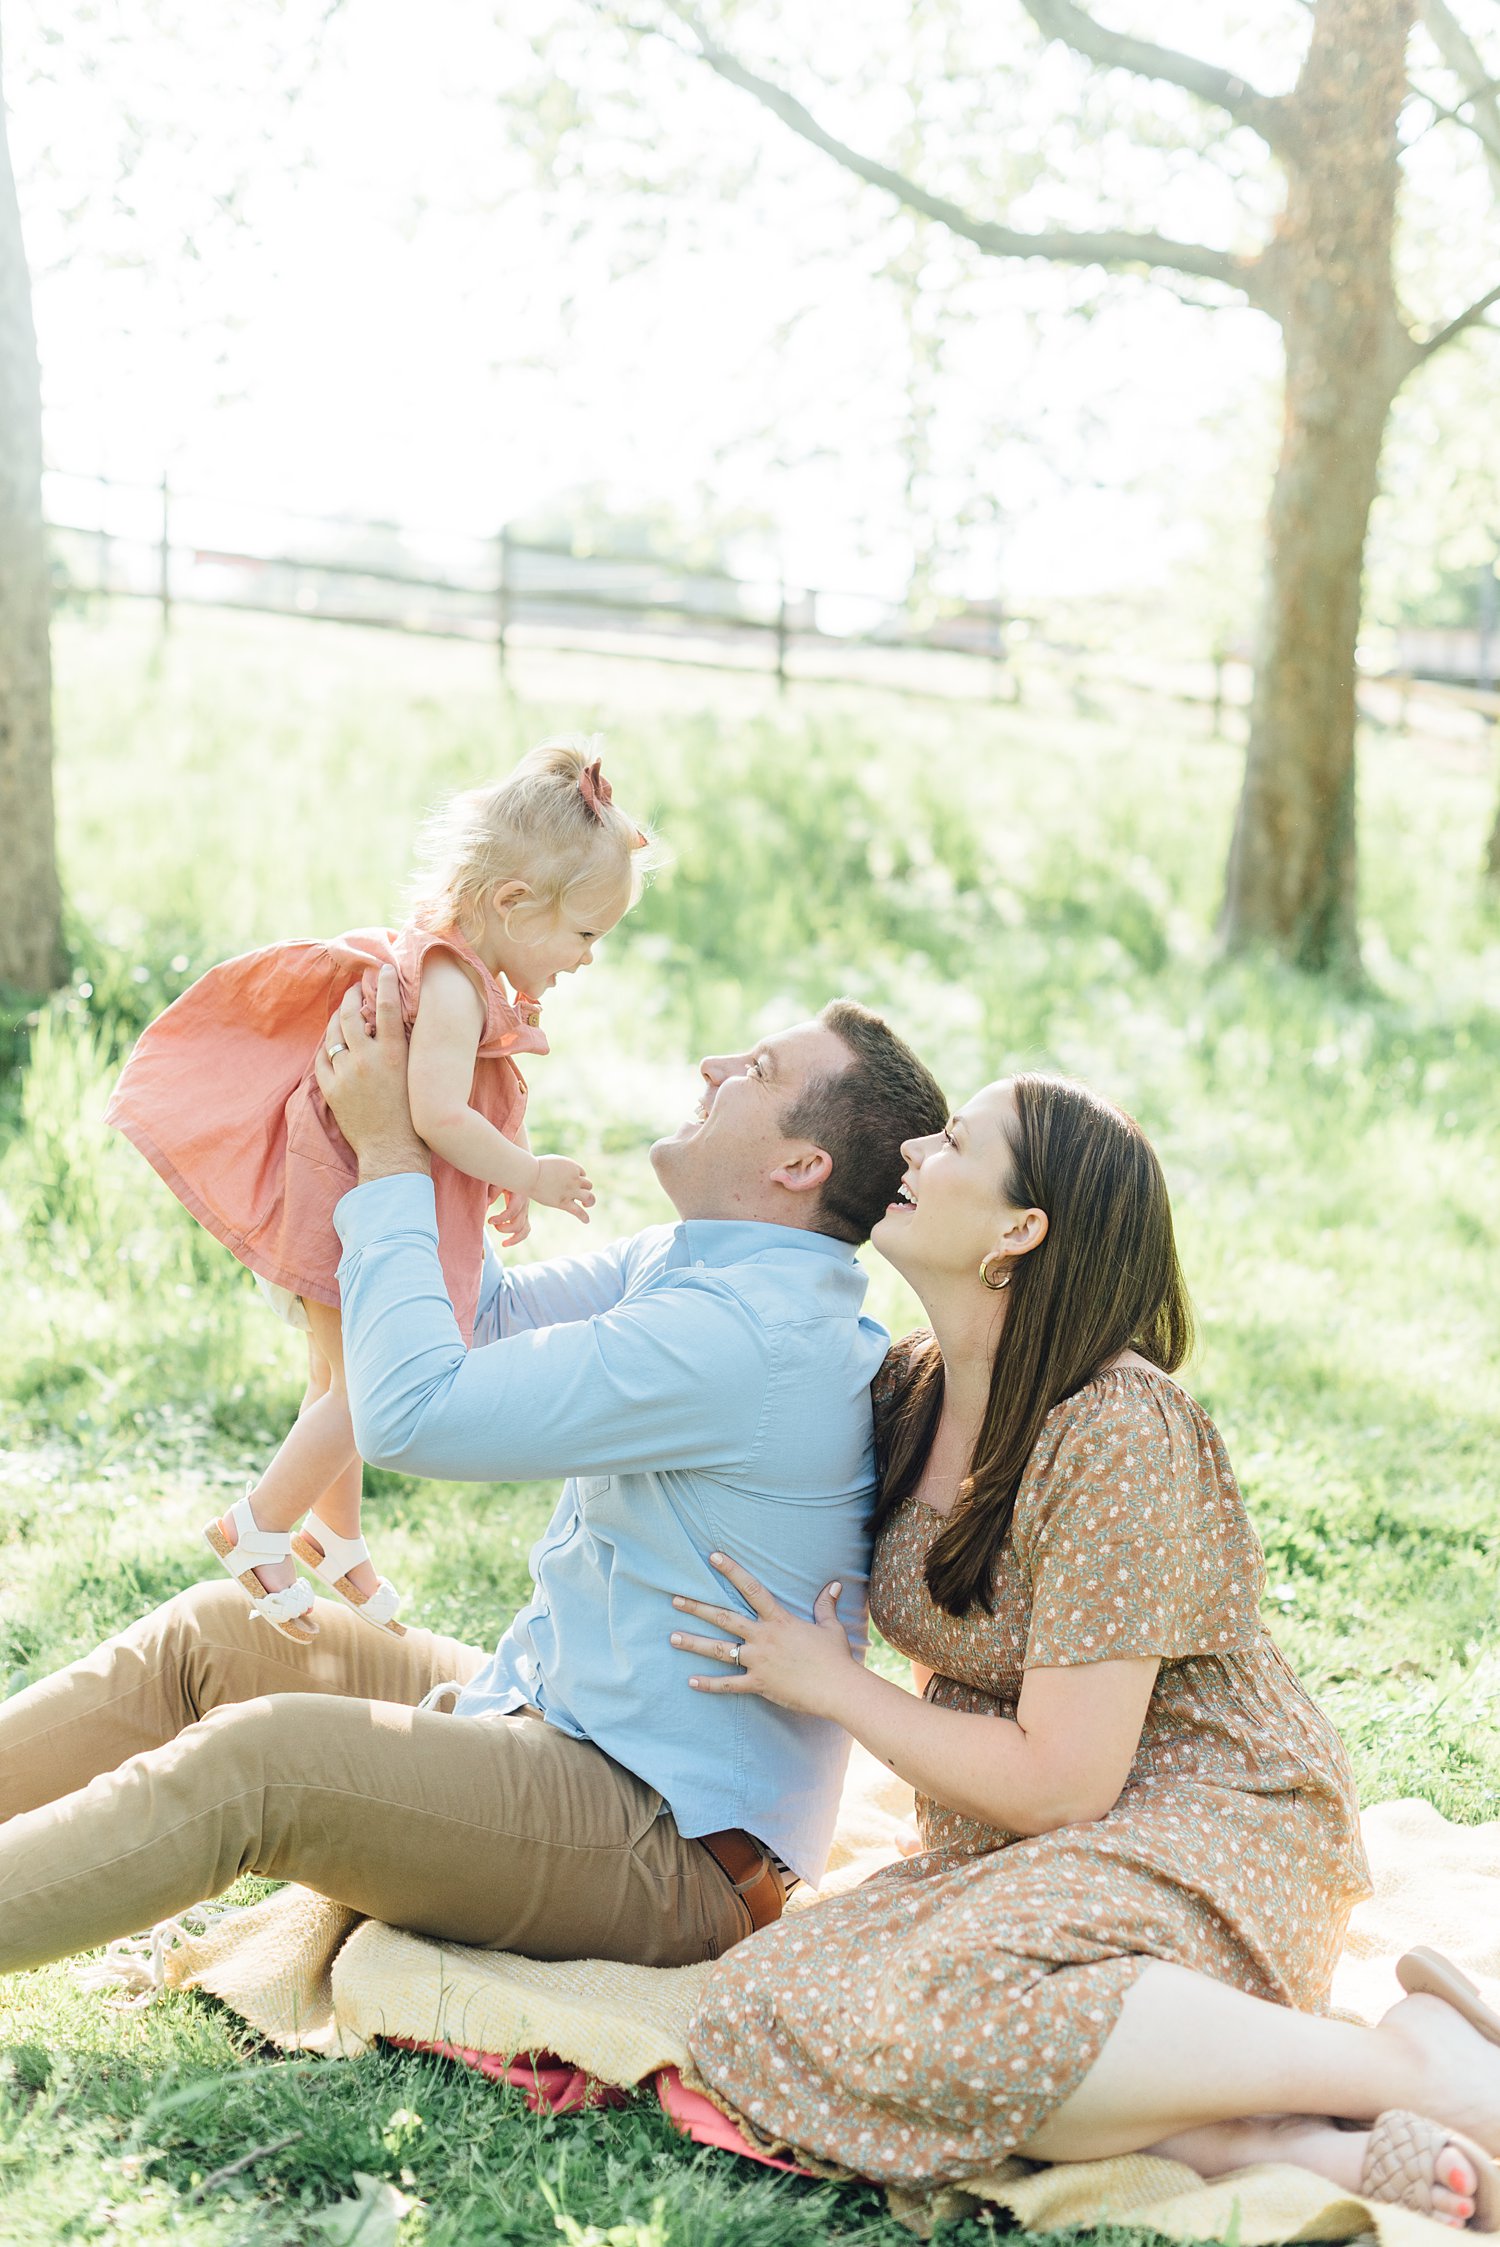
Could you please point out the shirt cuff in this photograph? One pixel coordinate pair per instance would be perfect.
(373, 1212)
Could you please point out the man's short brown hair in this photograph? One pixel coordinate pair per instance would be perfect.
(860, 1116)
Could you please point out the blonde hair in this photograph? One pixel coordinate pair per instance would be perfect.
(537, 826)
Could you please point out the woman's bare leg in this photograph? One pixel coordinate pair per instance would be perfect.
(1310, 2142)
(316, 1460)
(1189, 2055)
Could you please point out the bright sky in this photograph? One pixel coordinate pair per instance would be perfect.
(364, 299)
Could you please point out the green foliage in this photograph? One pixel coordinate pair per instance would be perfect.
(1017, 887)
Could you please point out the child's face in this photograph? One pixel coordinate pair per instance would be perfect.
(533, 948)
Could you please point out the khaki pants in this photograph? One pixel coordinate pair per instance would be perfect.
(200, 1745)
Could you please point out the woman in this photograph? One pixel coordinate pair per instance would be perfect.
(1140, 1837)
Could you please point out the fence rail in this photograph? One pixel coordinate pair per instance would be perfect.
(120, 539)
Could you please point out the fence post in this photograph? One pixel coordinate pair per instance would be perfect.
(781, 640)
(502, 600)
(1484, 667)
(103, 482)
(166, 551)
(1218, 720)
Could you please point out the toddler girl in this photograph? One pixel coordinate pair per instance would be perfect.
(221, 1098)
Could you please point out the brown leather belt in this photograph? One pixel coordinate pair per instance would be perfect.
(750, 1872)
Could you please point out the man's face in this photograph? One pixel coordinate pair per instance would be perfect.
(733, 1158)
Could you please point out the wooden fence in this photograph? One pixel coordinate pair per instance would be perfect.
(117, 539)
(113, 538)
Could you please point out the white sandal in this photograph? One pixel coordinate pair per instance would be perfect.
(254, 1548)
(331, 1557)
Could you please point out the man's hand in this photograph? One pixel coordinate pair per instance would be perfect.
(363, 1080)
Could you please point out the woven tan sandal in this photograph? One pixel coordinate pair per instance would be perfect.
(331, 1557)
(1425, 1973)
(1400, 2166)
(253, 1548)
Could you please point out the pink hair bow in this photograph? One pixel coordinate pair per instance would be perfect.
(594, 788)
(596, 792)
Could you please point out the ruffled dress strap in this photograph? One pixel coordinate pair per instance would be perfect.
(512, 1025)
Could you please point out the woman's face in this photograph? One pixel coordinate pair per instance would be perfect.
(955, 1206)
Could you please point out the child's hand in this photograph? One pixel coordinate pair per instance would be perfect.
(513, 1222)
(563, 1185)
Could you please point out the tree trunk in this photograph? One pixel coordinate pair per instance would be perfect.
(1292, 865)
(31, 949)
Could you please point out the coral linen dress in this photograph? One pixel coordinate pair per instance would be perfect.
(923, 2026)
(221, 1098)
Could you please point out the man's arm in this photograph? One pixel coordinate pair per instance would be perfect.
(674, 1378)
(515, 1297)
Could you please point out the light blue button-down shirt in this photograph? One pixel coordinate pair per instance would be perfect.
(704, 1387)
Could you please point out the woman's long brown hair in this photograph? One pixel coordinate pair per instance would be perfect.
(1105, 1279)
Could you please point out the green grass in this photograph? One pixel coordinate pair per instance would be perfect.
(1029, 885)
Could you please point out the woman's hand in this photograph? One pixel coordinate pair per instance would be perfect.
(803, 1666)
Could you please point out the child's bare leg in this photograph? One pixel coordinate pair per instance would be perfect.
(319, 1376)
(317, 1453)
(339, 1510)
(338, 1504)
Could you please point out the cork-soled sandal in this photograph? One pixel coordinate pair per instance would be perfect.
(1400, 2167)
(254, 1548)
(331, 1557)
(1425, 1973)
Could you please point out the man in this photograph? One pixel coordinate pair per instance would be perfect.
(702, 1386)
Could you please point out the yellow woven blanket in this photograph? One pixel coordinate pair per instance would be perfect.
(310, 1976)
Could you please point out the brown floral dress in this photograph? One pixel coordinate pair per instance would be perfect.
(923, 2026)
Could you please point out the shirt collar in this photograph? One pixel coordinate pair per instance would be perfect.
(725, 1240)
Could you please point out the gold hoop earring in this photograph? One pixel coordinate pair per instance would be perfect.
(994, 1285)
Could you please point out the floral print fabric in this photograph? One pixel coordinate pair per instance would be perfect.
(923, 2026)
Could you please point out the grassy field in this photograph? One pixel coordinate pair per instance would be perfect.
(1027, 885)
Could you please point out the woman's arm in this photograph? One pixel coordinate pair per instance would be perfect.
(440, 1075)
(1060, 1761)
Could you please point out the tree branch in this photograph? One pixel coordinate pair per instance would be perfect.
(1444, 114)
(1463, 59)
(1469, 319)
(1265, 114)
(1062, 245)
